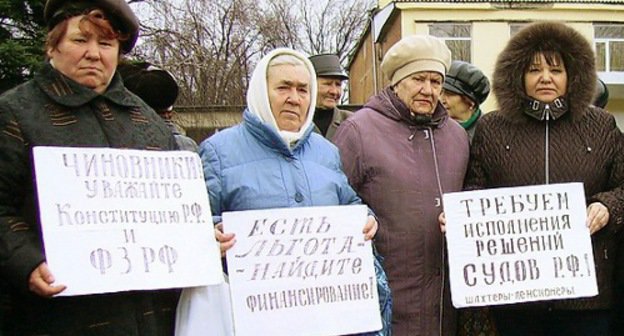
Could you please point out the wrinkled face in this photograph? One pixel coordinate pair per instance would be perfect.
(289, 95)
(85, 57)
(329, 92)
(420, 91)
(459, 107)
(545, 82)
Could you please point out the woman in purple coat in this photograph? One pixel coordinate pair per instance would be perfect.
(401, 152)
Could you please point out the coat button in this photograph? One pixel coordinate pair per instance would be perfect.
(298, 197)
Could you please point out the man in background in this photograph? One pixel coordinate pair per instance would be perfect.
(159, 90)
(329, 77)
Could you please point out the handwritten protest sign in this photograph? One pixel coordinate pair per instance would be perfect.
(308, 268)
(519, 244)
(116, 220)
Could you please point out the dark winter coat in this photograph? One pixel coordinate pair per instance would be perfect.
(53, 110)
(338, 116)
(400, 169)
(527, 142)
(184, 142)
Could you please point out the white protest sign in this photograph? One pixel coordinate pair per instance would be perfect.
(308, 268)
(519, 244)
(116, 219)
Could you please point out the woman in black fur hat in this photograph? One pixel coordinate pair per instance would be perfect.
(546, 131)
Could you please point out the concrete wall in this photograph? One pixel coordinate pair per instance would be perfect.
(200, 122)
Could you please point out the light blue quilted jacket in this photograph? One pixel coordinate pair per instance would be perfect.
(250, 167)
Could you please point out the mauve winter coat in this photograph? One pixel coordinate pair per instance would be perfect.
(400, 169)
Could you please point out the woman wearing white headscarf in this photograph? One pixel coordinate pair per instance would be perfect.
(273, 159)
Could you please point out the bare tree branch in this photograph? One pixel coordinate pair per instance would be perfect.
(211, 45)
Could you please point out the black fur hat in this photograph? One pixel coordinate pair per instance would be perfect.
(155, 86)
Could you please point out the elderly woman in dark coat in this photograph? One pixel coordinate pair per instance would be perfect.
(465, 88)
(547, 131)
(76, 100)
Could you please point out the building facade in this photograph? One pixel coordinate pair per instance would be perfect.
(476, 31)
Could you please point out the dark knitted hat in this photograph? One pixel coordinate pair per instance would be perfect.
(328, 65)
(117, 12)
(602, 94)
(467, 80)
(155, 86)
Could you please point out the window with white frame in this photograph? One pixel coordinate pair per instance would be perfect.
(609, 43)
(457, 36)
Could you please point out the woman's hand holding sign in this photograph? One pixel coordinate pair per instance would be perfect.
(597, 217)
(442, 222)
(226, 240)
(41, 282)
(370, 228)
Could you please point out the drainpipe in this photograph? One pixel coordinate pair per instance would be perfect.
(373, 50)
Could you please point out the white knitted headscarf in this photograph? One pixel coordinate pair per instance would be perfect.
(258, 96)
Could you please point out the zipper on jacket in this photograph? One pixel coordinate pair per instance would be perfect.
(547, 145)
(429, 135)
